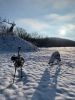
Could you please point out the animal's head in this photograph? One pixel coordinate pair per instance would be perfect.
(13, 58)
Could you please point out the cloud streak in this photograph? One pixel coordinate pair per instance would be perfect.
(57, 18)
(33, 23)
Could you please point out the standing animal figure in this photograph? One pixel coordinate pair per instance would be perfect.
(12, 27)
(18, 62)
(9, 30)
(55, 57)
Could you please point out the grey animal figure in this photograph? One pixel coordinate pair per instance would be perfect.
(54, 57)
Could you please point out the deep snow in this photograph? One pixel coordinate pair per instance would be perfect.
(40, 81)
(11, 43)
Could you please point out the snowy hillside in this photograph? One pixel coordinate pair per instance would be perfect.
(40, 81)
(10, 43)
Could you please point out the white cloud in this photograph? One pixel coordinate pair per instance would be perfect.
(61, 4)
(33, 23)
(54, 3)
(57, 17)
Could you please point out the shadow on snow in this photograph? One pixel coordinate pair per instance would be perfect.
(46, 89)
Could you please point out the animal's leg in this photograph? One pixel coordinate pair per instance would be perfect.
(21, 72)
(14, 75)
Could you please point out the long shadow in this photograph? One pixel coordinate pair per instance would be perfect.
(46, 89)
(24, 77)
(10, 86)
(6, 95)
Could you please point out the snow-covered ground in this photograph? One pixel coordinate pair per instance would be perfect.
(40, 81)
(11, 43)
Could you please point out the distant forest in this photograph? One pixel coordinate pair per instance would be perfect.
(34, 38)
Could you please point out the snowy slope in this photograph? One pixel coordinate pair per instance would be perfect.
(40, 81)
(10, 43)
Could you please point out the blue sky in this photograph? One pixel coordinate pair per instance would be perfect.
(53, 18)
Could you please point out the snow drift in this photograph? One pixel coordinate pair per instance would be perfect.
(10, 44)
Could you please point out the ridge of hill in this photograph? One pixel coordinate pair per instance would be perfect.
(11, 43)
(53, 42)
